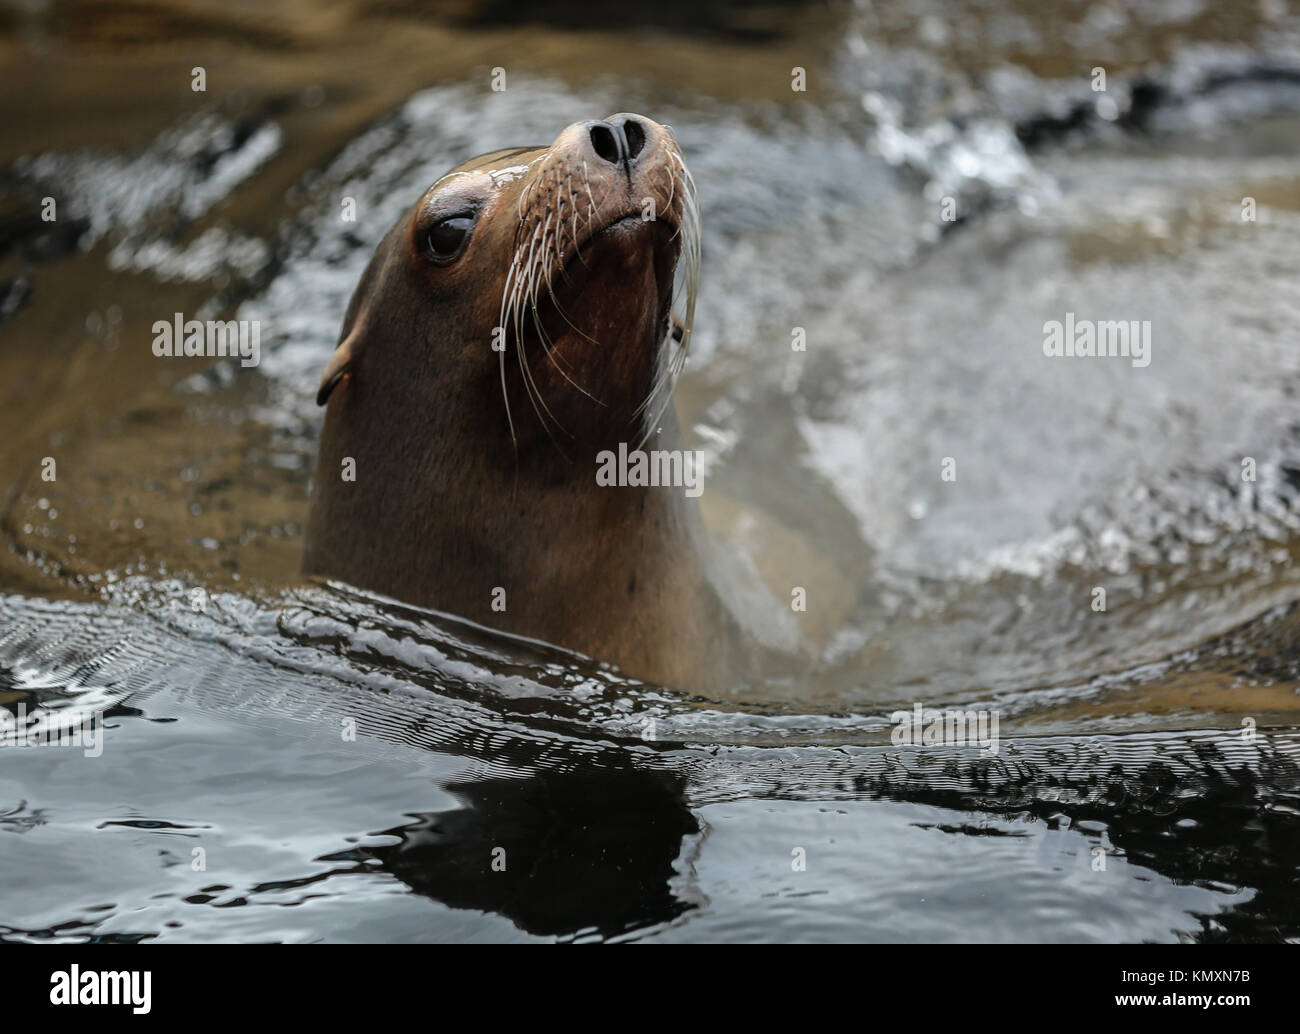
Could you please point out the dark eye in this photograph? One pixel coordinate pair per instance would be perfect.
(446, 238)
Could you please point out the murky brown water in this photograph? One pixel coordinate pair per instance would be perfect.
(823, 210)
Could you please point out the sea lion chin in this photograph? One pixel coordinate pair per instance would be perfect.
(516, 323)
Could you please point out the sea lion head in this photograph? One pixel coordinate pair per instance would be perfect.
(514, 325)
(525, 301)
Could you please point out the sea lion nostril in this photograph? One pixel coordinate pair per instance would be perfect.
(633, 136)
(607, 142)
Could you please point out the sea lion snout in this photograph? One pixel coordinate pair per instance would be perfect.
(619, 139)
(597, 227)
(615, 166)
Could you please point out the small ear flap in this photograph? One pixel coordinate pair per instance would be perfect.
(340, 365)
(345, 355)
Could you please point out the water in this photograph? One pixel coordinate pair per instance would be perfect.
(347, 768)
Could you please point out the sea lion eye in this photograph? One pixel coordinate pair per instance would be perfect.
(445, 239)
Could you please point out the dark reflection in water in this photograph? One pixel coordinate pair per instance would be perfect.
(1240, 831)
(1207, 820)
(557, 853)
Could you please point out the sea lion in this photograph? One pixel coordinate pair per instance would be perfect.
(510, 333)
